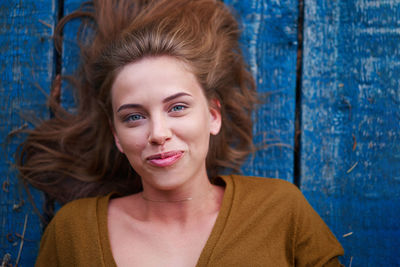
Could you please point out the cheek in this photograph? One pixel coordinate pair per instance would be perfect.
(132, 141)
(194, 130)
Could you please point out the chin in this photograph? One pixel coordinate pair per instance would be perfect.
(165, 185)
(165, 180)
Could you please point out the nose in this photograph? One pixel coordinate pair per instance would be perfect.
(160, 132)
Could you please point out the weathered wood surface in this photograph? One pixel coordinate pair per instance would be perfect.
(27, 67)
(270, 43)
(70, 54)
(350, 147)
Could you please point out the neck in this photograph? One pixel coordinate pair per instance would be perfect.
(181, 207)
(166, 201)
(176, 199)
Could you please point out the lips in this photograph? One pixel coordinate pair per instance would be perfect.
(165, 159)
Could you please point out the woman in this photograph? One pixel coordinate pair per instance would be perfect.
(165, 104)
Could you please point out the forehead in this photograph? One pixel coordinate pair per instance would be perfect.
(152, 78)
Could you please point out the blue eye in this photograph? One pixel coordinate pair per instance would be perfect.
(134, 117)
(178, 108)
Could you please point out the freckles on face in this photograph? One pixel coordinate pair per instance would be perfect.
(160, 111)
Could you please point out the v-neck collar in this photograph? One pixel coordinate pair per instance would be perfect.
(206, 253)
(219, 224)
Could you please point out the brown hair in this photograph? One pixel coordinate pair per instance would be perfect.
(73, 155)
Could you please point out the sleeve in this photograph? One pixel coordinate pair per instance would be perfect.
(315, 244)
(72, 237)
(48, 248)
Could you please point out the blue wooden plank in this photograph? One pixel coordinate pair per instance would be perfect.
(270, 43)
(26, 66)
(70, 54)
(350, 163)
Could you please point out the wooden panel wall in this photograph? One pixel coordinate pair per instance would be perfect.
(349, 164)
(27, 68)
(270, 44)
(70, 54)
(350, 146)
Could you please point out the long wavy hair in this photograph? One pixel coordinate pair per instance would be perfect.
(72, 156)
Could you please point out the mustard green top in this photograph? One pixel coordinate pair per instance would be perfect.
(262, 222)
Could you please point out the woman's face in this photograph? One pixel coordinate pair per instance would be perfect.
(162, 121)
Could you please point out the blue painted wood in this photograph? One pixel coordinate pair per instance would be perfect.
(350, 164)
(70, 54)
(270, 43)
(26, 67)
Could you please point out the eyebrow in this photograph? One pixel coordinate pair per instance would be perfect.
(172, 97)
(127, 106)
(167, 99)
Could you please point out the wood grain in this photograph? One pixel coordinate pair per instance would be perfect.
(70, 54)
(270, 43)
(27, 68)
(350, 163)
(350, 106)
